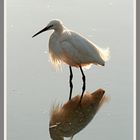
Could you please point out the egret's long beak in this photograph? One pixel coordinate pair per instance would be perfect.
(43, 30)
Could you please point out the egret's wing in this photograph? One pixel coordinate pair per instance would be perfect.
(82, 49)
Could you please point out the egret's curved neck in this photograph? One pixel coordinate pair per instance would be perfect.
(60, 29)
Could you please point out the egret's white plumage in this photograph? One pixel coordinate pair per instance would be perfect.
(72, 48)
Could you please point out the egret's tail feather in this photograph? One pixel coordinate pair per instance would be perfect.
(105, 54)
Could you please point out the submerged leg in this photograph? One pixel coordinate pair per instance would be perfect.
(70, 81)
(84, 84)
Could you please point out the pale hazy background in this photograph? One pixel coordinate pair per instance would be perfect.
(33, 85)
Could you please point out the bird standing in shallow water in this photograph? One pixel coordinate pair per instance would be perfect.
(73, 49)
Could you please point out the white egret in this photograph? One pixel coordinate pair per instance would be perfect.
(73, 49)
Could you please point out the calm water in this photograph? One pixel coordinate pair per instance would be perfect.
(34, 85)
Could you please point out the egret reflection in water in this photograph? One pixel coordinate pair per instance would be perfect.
(73, 116)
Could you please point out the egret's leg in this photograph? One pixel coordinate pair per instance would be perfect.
(84, 84)
(70, 81)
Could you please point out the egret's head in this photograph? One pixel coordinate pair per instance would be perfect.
(52, 25)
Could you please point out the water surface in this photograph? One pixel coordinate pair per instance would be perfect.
(34, 85)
